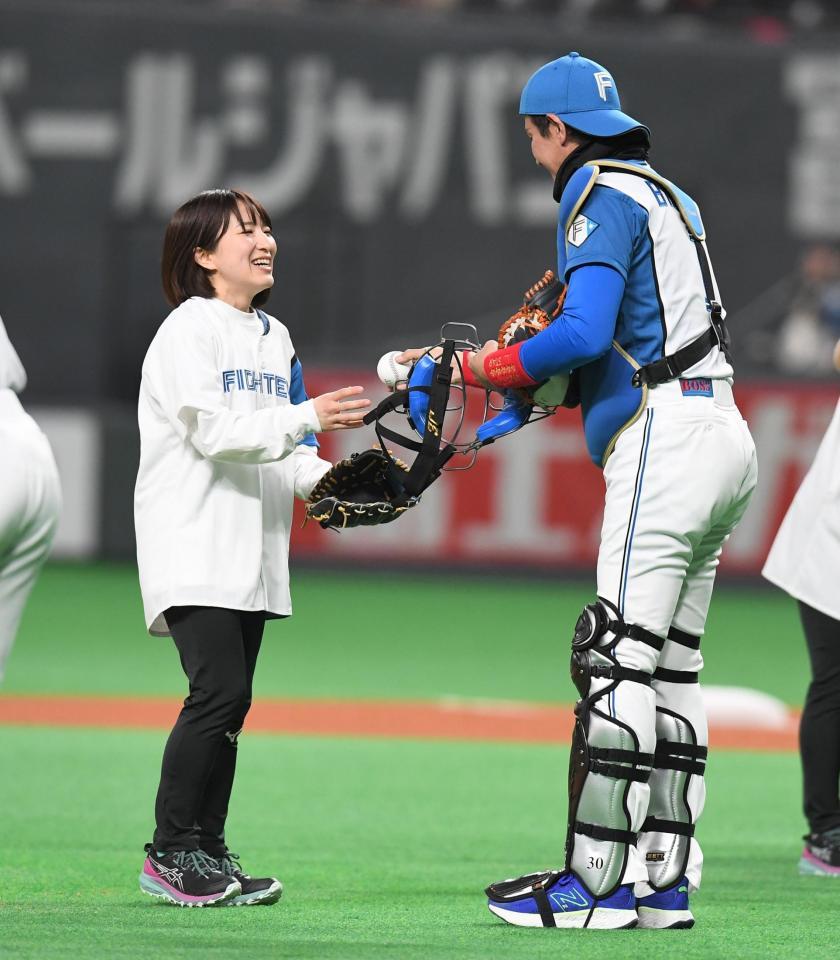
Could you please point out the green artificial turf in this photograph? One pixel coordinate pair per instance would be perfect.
(384, 848)
(381, 636)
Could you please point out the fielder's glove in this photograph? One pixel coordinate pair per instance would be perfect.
(364, 490)
(541, 306)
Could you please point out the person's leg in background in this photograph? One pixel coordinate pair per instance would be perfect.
(819, 744)
(30, 503)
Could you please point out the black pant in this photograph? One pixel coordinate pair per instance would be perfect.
(218, 650)
(819, 730)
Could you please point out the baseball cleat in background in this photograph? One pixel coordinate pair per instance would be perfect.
(666, 909)
(821, 855)
(558, 899)
(256, 891)
(187, 878)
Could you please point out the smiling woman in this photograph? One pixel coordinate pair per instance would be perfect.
(227, 441)
(219, 244)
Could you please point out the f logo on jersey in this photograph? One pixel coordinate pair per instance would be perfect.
(604, 81)
(580, 228)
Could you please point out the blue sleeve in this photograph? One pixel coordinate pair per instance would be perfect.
(585, 328)
(298, 394)
(605, 231)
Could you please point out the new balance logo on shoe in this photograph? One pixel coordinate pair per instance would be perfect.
(568, 900)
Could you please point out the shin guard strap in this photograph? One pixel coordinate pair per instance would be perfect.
(541, 900)
(643, 636)
(598, 832)
(684, 639)
(617, 772)
(680, 763)
(655, 825)
(615, 672)
(675, 676)
(671, 748)
(599, 754)
(622, 756)
(687, 757)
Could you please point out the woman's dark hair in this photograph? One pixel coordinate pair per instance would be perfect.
(199, 224)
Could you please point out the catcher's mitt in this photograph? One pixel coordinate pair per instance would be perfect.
(541, 306)
(364, 490)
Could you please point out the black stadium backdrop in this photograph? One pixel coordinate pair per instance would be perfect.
(387, 146)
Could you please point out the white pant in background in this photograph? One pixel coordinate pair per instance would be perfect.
(30, 503)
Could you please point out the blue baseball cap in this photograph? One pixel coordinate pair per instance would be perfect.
(581, 93)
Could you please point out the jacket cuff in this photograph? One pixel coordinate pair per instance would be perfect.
(503, 368)
(309, 422)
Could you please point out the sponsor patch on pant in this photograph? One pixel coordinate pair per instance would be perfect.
(655, 856)
(696, 387)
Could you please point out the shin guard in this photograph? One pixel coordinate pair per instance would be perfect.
(677, 785)
(612, 748)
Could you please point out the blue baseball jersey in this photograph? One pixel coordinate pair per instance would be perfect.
(633, 226)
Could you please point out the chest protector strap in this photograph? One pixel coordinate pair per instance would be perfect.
(676, 364)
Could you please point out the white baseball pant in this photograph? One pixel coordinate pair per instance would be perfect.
(30, 502)
(677, 483)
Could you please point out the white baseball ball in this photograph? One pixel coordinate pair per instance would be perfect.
(389, 371)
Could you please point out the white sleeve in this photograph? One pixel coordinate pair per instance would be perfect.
(309, 468)
(182, 376)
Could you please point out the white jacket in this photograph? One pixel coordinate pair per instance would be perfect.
(225, 444)
(805, 557)
(12, 374)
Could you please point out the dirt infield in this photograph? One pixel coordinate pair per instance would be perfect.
(442, 720)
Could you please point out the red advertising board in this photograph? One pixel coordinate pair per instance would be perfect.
(534, 499)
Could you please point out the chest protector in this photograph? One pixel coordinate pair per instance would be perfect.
(614, 388)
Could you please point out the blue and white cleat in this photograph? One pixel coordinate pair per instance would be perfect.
(558, 899)
(666, 909)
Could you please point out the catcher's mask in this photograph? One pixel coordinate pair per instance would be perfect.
(425, 402)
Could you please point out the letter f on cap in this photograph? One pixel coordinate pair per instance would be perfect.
(604, 80)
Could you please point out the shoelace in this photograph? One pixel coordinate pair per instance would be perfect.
(197, 861)
(832, 837)
(229, 864)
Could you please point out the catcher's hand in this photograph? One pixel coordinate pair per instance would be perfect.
(364, 490)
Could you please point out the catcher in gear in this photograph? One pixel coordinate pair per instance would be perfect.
(643, 327)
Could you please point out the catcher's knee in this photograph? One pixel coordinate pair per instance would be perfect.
(604, 647)
(603, 735)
